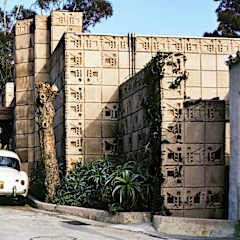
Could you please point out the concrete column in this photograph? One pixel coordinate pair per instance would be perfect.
(234, 175)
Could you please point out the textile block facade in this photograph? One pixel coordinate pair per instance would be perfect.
(98, 81)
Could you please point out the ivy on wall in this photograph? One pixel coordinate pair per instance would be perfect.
(162, 65)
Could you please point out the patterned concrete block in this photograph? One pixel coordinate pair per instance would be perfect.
(194, 111)
(75, 145)
(173, 198)
(172, 154)
(215, 111)
(74, 59)
(74, 128)
(194, 154)
(75, 110)
(194, 198)
(110, 111)
(109, 146)
(92, 42)
(93, 76)
(172, 132)
(74, 93)
(24, 27)
(215, 197)
(109, 59)
(73, 41)
(172, 110)
(75, 76)
(71, 160)
(174, 176)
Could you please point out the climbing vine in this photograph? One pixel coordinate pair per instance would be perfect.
(162, 65)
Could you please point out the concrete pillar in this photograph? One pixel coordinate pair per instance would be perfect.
(234, 175)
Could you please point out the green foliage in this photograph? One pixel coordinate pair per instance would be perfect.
(228, 16)
(155, 71)
(104, 185)
(3, 147)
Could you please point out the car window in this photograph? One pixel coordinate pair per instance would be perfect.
(9, 162)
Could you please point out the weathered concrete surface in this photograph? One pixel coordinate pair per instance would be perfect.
(95, 214)
(234, 176)
(212, 228)
(25, 223)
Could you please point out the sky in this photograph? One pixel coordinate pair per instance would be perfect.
(157, 17)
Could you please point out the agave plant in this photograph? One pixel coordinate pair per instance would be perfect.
(128, 188)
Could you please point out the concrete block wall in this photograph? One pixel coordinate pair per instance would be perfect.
(35, 40)
(57, 75)
(193, 132)
(193, 161)
(132, 123)
(91, 97)
(61, 22)
(24, 91)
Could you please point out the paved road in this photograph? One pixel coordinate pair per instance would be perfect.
(25, 223)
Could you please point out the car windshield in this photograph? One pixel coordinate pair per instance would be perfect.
(9, 162)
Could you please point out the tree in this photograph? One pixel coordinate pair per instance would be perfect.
(228, 16)
(93, 12)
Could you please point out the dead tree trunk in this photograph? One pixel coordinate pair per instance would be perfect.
(45, 112)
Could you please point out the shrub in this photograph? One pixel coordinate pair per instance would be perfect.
(105, 185)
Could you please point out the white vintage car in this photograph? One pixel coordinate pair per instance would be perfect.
(13, 182)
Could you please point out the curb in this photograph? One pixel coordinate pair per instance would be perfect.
(94, 214)
(198, 227)
(156, 226)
